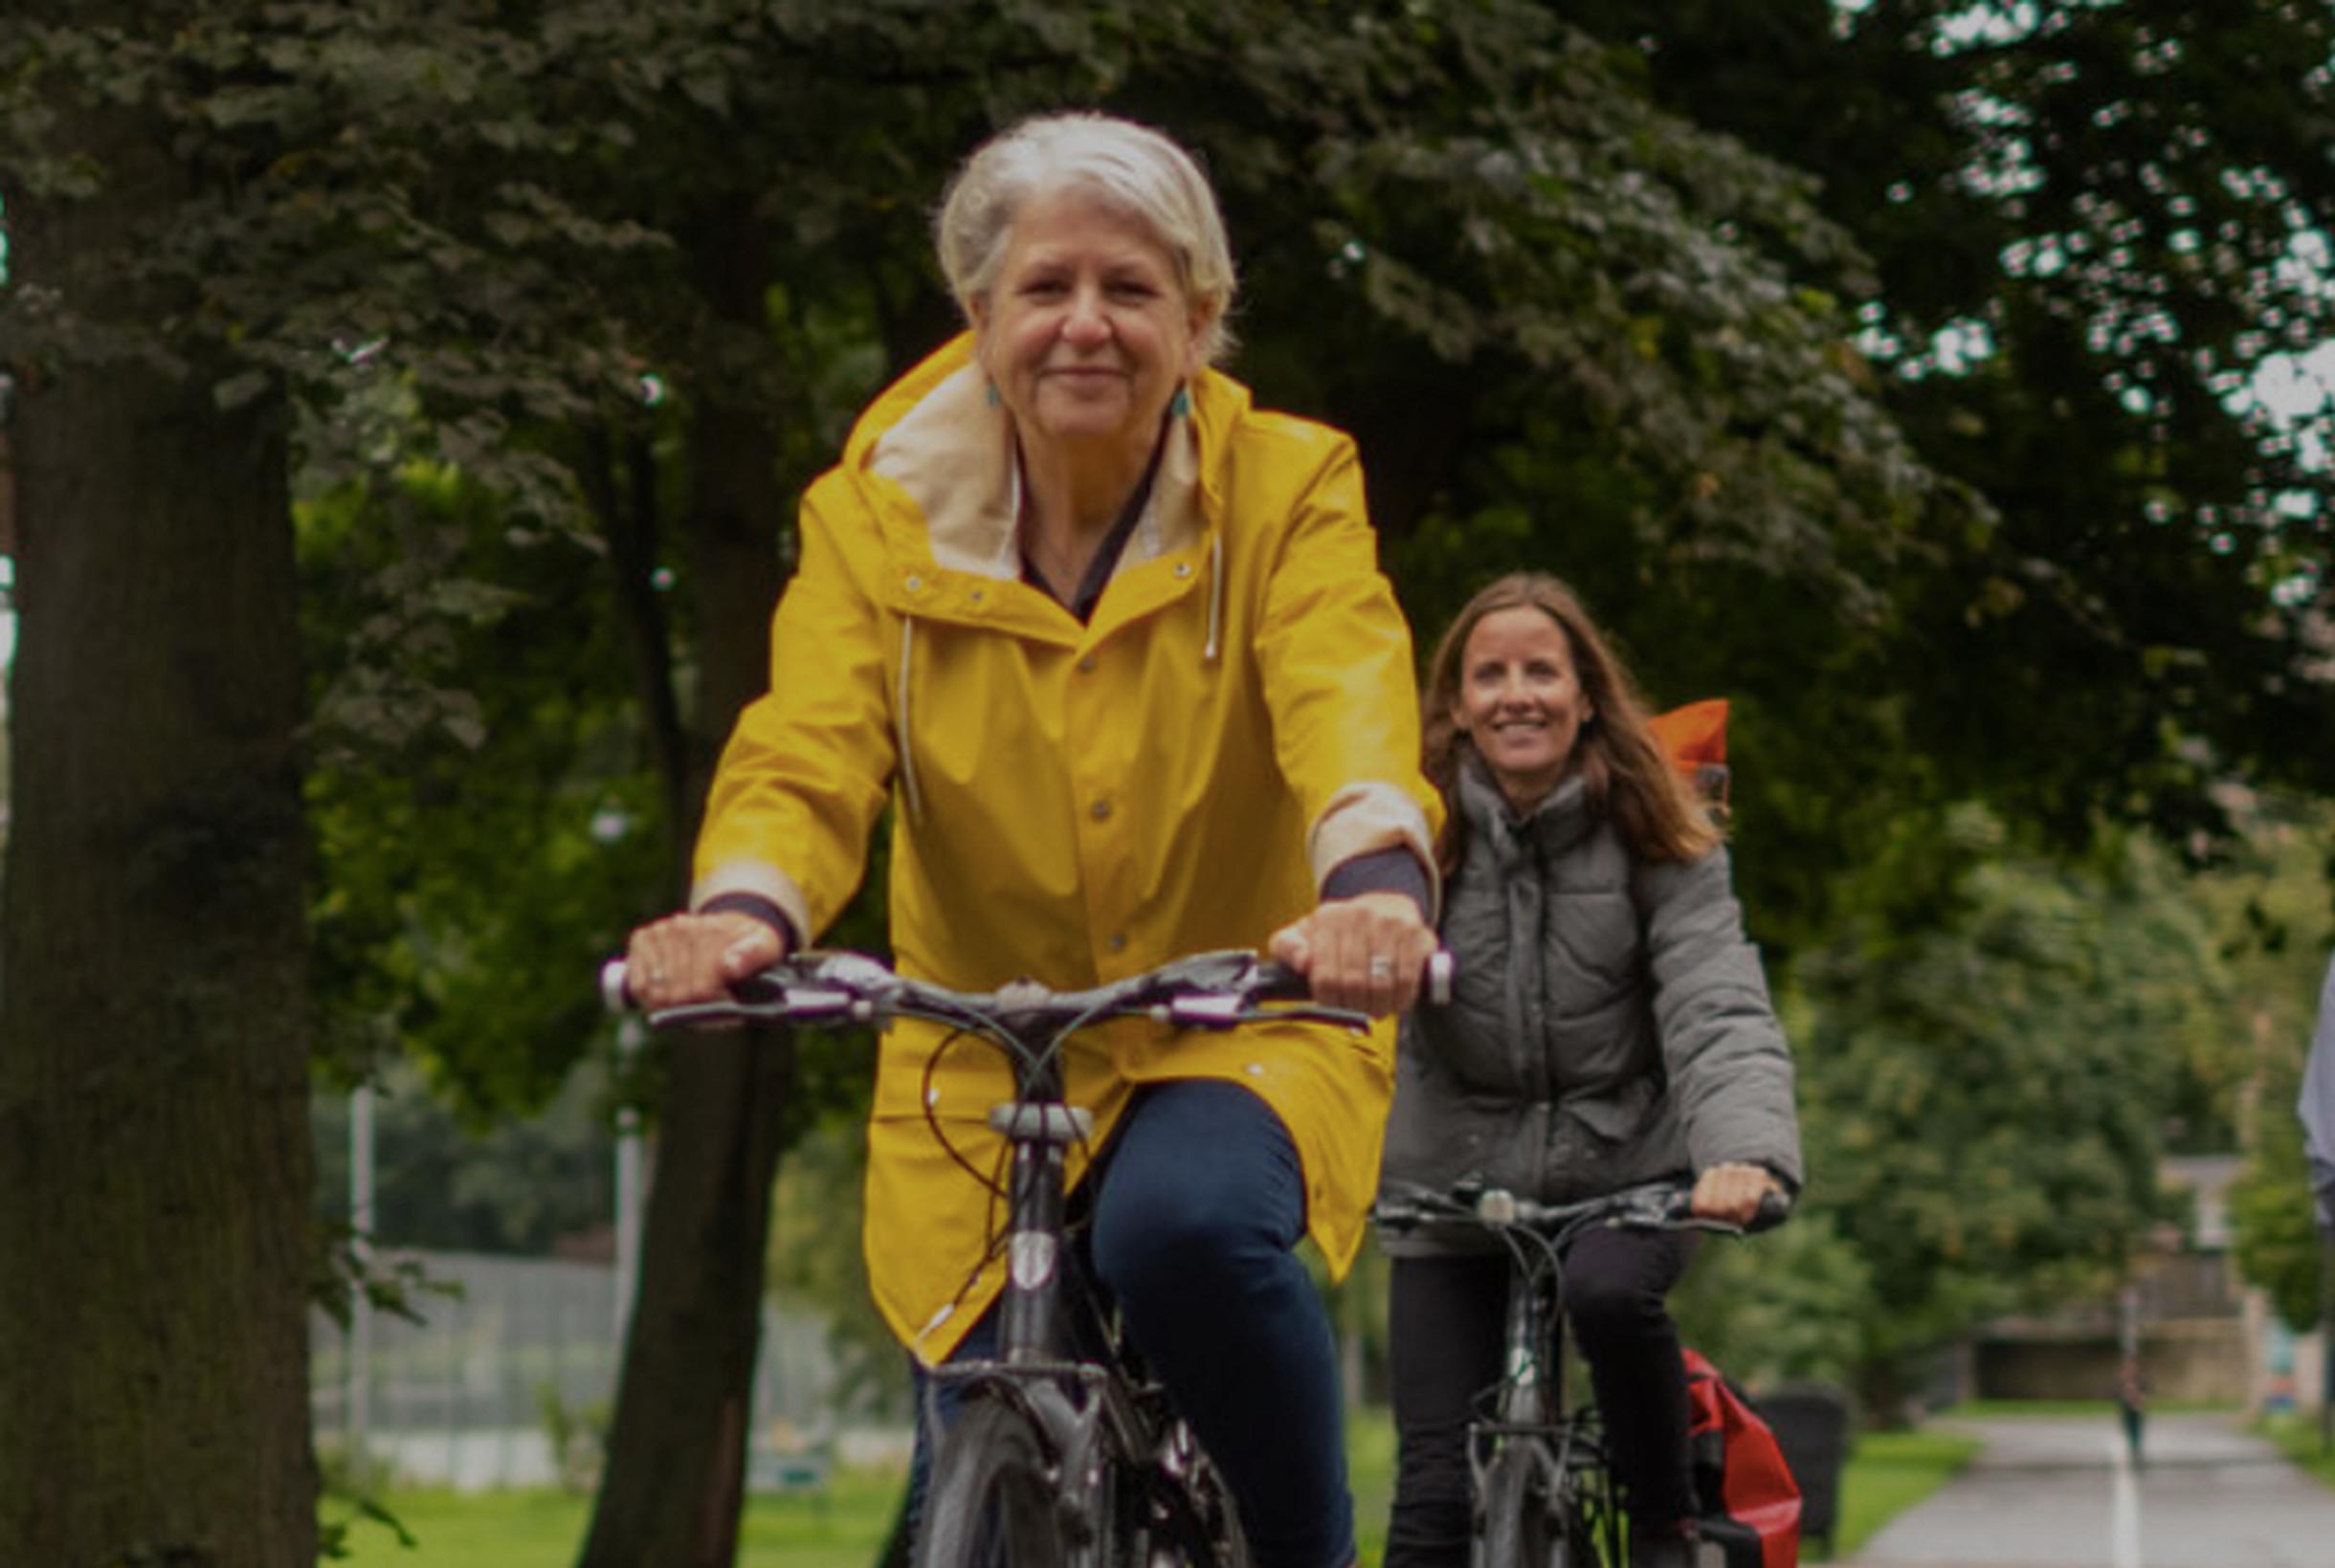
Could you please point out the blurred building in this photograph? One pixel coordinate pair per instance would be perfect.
(2203, 1335)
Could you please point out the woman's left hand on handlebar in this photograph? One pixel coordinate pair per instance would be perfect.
(683, 958)
(1732, 1192)
(1365, 953)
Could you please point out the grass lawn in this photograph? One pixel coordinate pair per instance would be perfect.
(1889, 1472)
(844, 1528)
(2297, 1436)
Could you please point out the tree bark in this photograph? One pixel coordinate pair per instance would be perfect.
(674, 1478)
(155, 1168)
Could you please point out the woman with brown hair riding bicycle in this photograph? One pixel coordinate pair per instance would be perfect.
(1114, 646)
(1610, 1026)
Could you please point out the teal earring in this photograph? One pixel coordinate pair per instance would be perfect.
(991, 393)
(1179, 406)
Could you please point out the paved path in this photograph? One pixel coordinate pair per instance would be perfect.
(2053, 1493)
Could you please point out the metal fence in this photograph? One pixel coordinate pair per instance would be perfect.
(509, 1351)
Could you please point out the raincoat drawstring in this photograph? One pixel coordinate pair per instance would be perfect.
(900, 720)
(1215, 595)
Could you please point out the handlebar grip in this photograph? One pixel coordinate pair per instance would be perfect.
(615, 988)
(1774, 1208)
(1276, 981)
(1436, 980)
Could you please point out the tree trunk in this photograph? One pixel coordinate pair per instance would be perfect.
(154, 1157)
(674, 1478)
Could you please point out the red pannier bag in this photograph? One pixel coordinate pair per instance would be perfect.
(1750, 1502)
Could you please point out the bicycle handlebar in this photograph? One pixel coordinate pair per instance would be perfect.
(1205, 991)
(1658, 1205)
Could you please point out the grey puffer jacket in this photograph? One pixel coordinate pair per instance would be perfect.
(1610, 1023)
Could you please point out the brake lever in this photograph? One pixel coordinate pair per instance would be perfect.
(1226, 1011)
(692, 1014)
(1343, 1017)
(1774, 1208)
(1664, 1208)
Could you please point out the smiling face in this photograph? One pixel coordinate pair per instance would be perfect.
(1519, 700)
(1086, 333)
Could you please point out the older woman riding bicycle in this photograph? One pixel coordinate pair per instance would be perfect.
(1112, 644)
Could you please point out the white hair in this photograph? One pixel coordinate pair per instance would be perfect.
(1130, 167)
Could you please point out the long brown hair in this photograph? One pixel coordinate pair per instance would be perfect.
(1622, 766)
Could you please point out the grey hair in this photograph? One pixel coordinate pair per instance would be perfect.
(1133, 168)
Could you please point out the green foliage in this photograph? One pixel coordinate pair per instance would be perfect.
(1783, 1306)
(578, 1436)
(1983, 1089)
(2269, 899)
(1518, 248)
(2273, 905)
(343, 1263)
(2089, 264)
(2278, 1245)
(479, 841)
(528, 1186)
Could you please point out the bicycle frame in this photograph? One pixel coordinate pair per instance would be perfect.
(1092, 1409)
(1532, 1408)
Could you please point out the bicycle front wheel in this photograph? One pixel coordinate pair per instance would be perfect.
(993, 1496)
(1525, 1520)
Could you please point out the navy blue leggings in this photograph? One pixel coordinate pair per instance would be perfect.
(1199, 1200)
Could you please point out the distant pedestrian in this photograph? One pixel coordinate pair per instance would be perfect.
(2131, 1404)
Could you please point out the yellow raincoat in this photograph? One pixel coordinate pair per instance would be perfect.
(1076, 803)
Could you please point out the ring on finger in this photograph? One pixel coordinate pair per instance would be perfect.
(1382, 967)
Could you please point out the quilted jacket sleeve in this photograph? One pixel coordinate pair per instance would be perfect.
(1730, 1070)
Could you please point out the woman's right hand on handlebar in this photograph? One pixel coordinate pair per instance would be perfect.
(685, 958)
(1732, 1192)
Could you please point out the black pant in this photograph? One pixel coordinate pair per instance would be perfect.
(1446, 1320)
